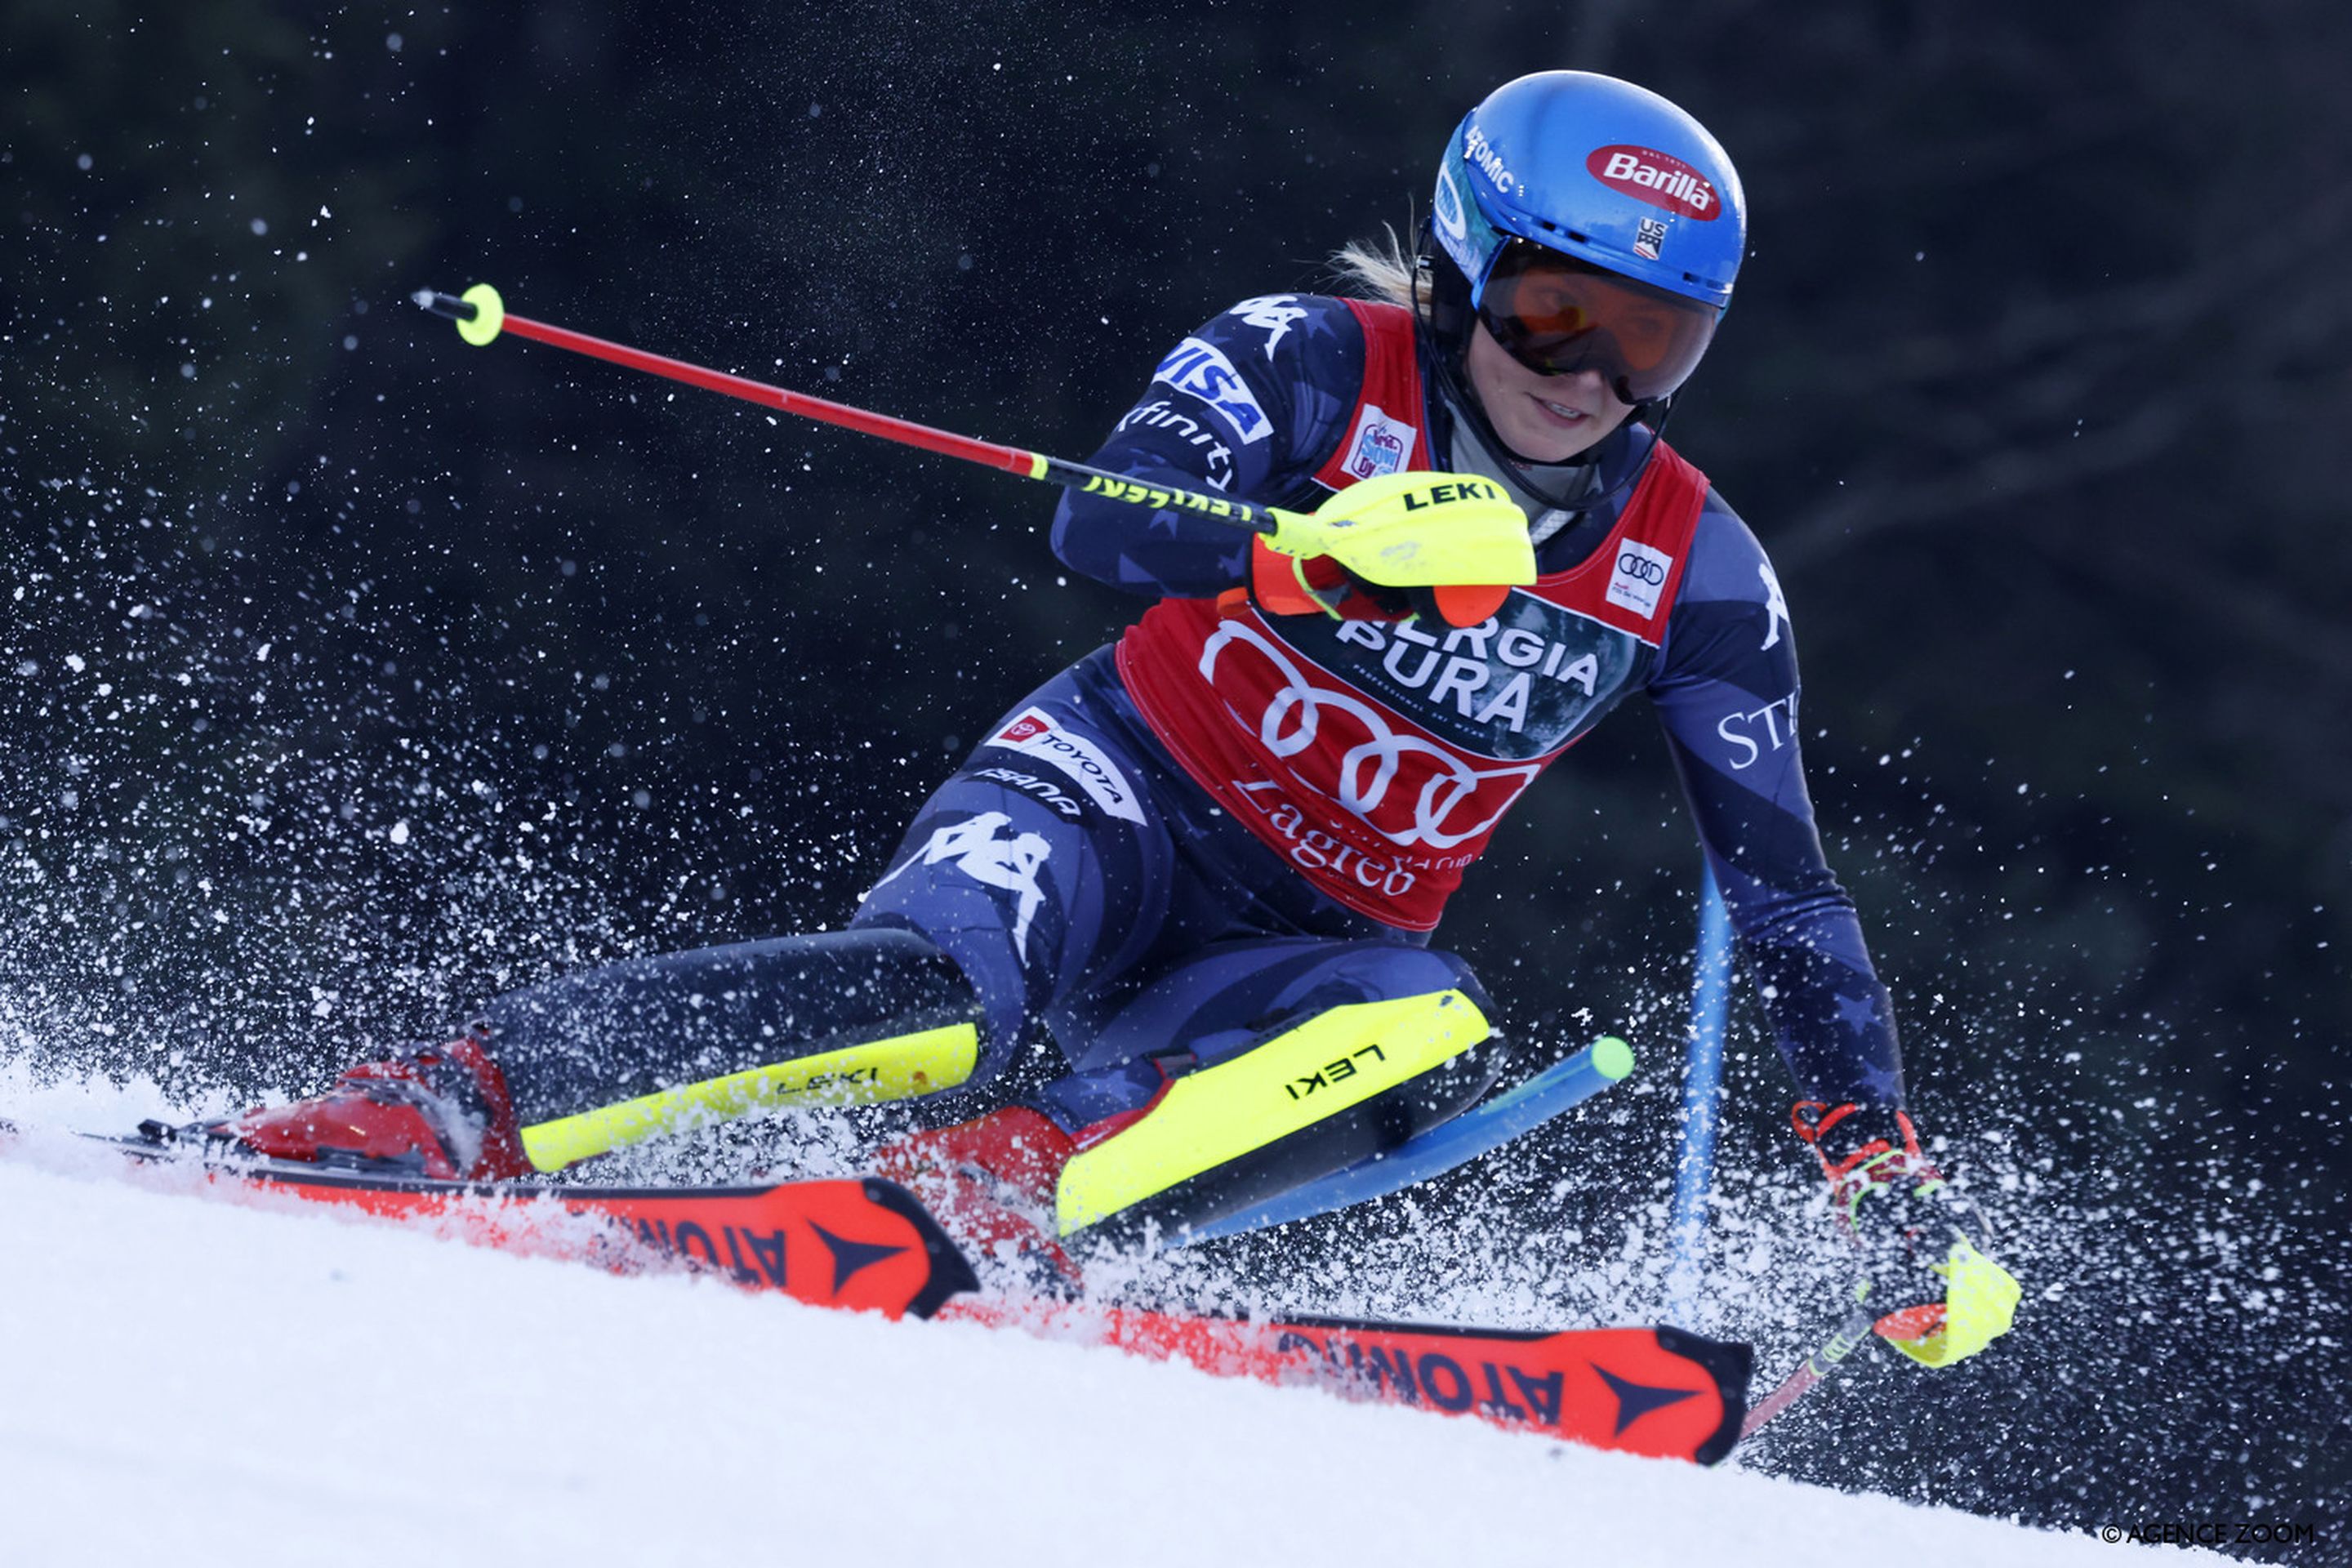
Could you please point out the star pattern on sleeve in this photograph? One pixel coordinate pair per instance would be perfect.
(1885, 1083)
(1859, 1014)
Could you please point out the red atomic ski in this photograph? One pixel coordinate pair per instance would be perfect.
(868, 1244)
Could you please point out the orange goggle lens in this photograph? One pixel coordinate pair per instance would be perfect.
(1560, 316)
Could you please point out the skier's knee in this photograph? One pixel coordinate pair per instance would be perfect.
(1316, 1096)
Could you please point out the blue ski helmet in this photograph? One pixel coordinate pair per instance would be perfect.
(1597, 170)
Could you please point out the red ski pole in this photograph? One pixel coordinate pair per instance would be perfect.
(1849, 1337)
(482, 316)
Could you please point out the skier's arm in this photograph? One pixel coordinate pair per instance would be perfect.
(1237, 408)
(1726, 690)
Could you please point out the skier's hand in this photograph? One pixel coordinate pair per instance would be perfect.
(1939, 1300)
(1288, 587)
(1455, 534)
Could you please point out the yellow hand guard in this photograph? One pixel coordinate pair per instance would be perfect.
(1979, 1303)
(1416, 530)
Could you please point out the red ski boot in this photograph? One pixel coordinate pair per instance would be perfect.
(441, 1111)
(991, 1181)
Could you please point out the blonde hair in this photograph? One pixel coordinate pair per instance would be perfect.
(1381, 269)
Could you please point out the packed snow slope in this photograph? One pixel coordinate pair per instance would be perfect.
(190, 1380)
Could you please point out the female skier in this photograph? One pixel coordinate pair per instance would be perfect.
(1207, 861)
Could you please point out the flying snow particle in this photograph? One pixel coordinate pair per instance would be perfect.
(400, 832)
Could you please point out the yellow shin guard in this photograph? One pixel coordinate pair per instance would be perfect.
(898, 1067)
(1317, 1070)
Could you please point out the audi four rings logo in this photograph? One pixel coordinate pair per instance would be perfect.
(1293, 723)
(1640, 569)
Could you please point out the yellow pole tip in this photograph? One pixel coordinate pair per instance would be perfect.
(1613, 1058)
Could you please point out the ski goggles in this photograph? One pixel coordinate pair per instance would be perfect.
(1557, 316)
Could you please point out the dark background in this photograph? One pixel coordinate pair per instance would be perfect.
(349, 674)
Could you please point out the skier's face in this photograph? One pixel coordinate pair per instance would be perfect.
(1547, 419)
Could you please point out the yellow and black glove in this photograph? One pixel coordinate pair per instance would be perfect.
(1938, 1299)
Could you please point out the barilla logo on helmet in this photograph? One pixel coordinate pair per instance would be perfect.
(1658, 178)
